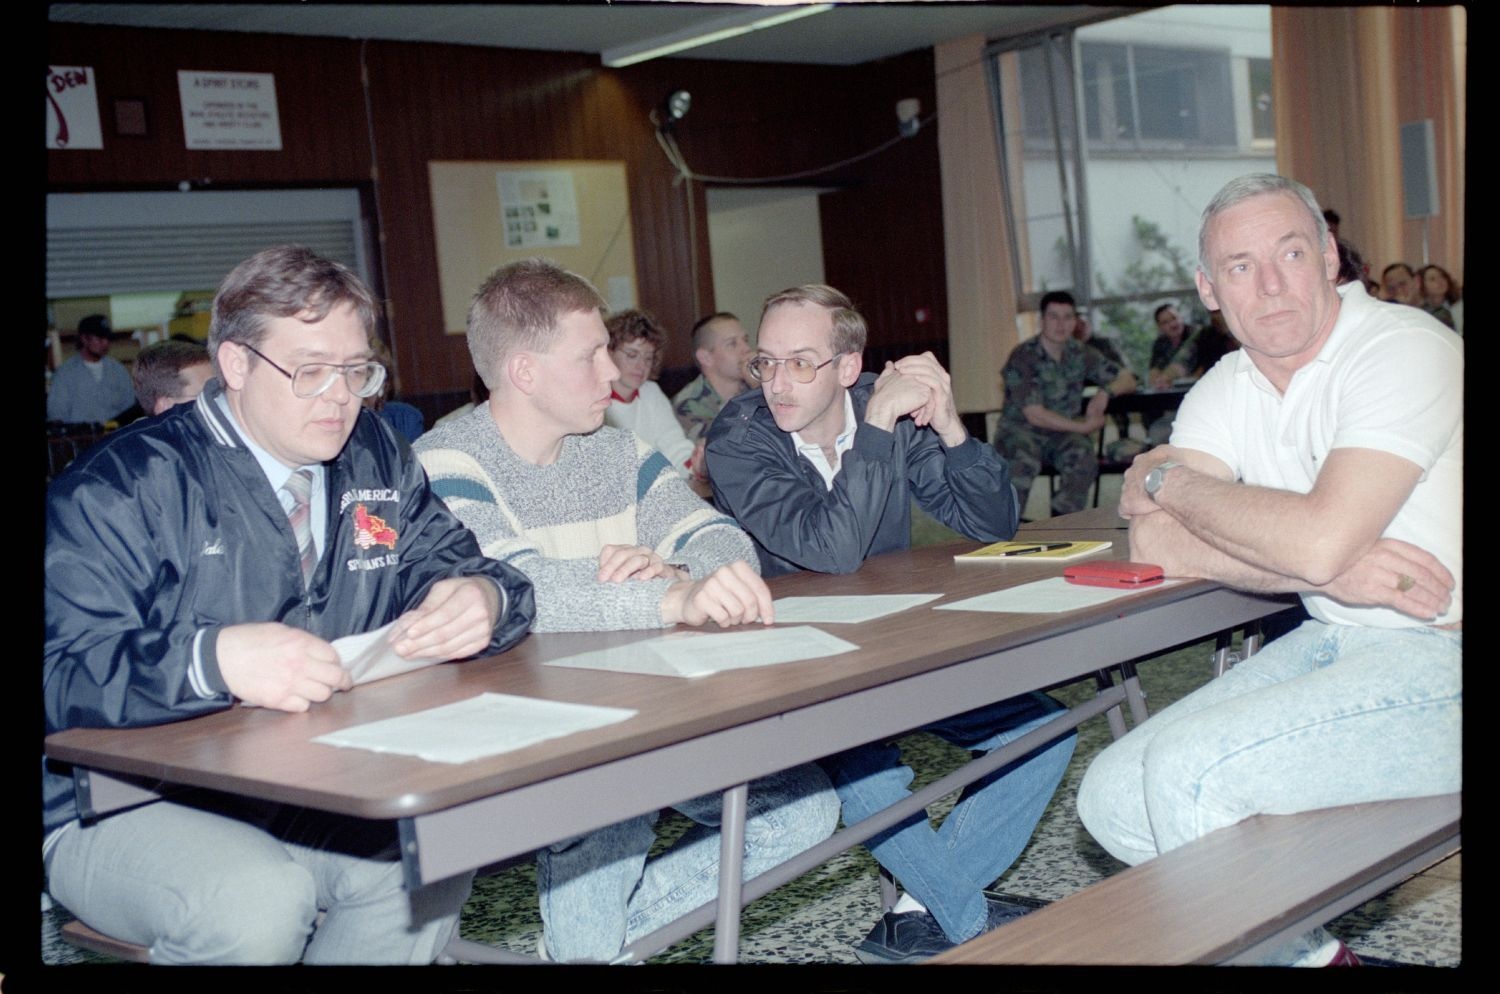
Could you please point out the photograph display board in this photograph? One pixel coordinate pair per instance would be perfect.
(487, 214)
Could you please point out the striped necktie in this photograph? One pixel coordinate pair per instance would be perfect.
(299, 487)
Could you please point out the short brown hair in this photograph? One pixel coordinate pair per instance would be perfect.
(701, 329)
(157, 372)
(635, 325)
(286, 281)
(517, 309)
(849, 331)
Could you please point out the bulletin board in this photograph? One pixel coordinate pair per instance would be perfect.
(575, 213)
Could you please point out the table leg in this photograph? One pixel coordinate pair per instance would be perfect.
(1223, 653)
(701, 917)
(888, 894)
(1114, 715)
(99, 793)
(731, 874)
(1134, 694)
(1253, 638)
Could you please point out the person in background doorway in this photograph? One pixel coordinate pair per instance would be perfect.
(90, 387)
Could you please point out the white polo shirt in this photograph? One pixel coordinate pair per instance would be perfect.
(1389, 378)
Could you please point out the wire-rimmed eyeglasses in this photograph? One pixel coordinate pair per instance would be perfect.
(313, 378)
(763, 367)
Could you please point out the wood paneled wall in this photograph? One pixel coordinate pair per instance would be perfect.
(882, 230)
(317, 86)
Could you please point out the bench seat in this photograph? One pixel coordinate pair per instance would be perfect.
(1234, 894)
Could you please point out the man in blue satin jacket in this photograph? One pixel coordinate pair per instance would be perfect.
(210, 555)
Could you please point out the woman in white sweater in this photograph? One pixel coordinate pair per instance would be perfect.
(636, 343)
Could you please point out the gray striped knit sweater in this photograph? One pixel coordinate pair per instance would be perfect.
(606, 488)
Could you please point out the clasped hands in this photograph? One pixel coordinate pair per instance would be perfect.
(919, 386)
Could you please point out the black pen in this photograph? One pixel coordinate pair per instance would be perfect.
(1035, 548)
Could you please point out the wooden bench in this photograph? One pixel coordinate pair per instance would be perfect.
(1234, 894)
(76, 933)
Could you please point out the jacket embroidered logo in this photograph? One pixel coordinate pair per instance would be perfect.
(370, 531)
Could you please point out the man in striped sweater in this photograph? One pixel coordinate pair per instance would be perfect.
(611, 538)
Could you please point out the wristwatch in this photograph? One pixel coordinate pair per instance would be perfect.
(1157, 477)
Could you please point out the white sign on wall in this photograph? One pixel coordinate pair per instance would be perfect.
(72, 108)
(229, 110)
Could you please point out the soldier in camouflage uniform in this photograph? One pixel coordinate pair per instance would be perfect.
(696, 405)
(721, 348)
(1044, 380)
(1165, 349)
(1103, 344)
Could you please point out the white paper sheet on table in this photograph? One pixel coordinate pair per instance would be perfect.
(370, 656)
(694, 654)
(845, 610)
(1053, 595)
(485, 725)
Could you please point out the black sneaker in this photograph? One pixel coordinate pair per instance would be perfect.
(1003, 908)
(909, 937)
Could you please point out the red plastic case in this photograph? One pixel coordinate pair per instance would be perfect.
(1114, 573)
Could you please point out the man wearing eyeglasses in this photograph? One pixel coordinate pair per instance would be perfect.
(803, 437)
(209, 555)
(821, 467)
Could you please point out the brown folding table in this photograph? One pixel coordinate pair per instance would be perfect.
(689, 737)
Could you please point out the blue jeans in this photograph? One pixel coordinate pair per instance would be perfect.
(1324, 716)
(200, 886)
(598, 893)
(948, 868)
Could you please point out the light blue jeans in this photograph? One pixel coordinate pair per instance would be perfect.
(948, 868)
(598, 893)
(199, 886)
(1324, 716)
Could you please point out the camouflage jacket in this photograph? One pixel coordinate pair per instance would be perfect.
(1032, 377)
(696, 405)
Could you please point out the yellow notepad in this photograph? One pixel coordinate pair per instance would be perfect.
(1020, 551)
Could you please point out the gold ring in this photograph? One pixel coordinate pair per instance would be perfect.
(1404, 582)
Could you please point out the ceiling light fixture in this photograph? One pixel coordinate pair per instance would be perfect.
(676, 106)
(906, 116)
(704, 33)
